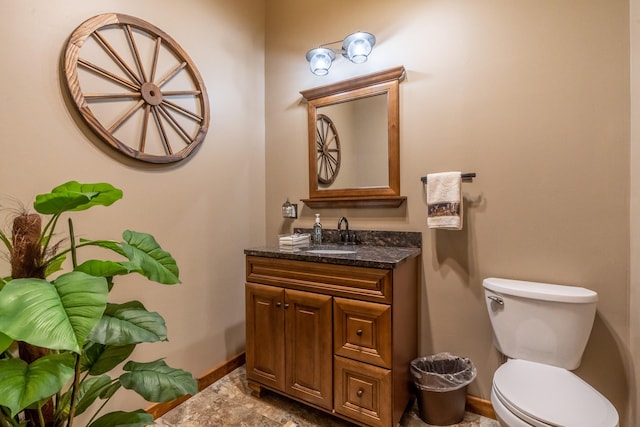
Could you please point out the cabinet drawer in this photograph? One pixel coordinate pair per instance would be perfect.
(362, 331)
(362, 392)
(370, 284)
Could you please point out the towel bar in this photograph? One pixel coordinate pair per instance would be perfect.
(465, 177)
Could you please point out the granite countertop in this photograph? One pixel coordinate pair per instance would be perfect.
(361, 256)
(377, 249)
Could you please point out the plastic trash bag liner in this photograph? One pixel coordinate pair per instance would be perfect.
(442, 372)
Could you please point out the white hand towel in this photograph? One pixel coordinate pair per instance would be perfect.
(444, 200)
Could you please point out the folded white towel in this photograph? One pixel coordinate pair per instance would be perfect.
(289, 241)
(294, 238)
(444, 200)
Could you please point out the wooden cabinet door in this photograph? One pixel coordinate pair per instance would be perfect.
(308, 320)
(265, 358)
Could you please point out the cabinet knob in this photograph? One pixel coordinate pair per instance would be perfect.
(286, 306)
(278, 304)
(360, 392)
(359, 332)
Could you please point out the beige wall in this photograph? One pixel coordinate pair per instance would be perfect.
(205, 210)
(533, 97)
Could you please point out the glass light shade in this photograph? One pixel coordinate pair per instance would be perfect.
(357, 46)
(320, 60)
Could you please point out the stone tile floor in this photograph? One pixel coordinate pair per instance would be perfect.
(228, 402)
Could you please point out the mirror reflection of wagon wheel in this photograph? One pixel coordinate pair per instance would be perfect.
(136, 88)
(328, 149)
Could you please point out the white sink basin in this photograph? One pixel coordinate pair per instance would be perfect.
(330, 251)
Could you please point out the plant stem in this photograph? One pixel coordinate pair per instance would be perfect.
(64, 252)
(41, 417)
(74, 389)
(76, 377)
(6, 242)
(72, 238)
(47, 238)
(95, 414)
(4, 418)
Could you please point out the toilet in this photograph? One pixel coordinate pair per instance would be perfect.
(543, 330)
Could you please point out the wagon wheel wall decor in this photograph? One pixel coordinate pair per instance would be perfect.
(136, 88)
(328, 150)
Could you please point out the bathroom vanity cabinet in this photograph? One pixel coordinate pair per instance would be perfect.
(337, 333)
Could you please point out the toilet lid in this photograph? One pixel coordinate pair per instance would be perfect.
(547, 395)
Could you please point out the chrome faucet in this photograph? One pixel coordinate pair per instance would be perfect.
(345, 237)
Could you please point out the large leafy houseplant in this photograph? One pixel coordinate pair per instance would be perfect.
(60, 337)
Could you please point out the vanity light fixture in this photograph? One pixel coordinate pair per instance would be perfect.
(356, 48)
(320, 60)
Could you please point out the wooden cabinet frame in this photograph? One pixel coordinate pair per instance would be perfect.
(339, 338)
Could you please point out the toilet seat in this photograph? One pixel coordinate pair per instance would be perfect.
(544, 395)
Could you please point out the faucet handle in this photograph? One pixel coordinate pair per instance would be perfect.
(350, 238)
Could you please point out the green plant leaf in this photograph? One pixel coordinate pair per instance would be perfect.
(54, 265)
(73, 196)
(129, 323)
(151, 260)
(5, 342)
(105, 244)
(137, 418)
(99, 359)
(57, 315)
(109, 391)
(4, 281)
(92, 389)
(103, 268)
(23, 384)
(157, 382)
(88, 391)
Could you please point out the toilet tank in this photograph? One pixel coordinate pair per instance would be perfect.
(540, 322)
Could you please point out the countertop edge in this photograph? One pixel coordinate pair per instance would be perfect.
(365, 256)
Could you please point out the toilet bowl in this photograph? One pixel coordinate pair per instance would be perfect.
(543, 330)
(528, 394)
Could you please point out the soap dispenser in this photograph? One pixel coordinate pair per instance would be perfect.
(317, 231)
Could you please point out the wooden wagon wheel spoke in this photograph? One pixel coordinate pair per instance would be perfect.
(156, 54)
(125, 116)
(107, 96)
(332, 160)
(328, 150)
(136, 56)
(145, 126)
(163, 134)
(108, 74)
(117, 58)
(174, 123)
(171, 74)
(180, 92)
(152, 128)
(183, 111)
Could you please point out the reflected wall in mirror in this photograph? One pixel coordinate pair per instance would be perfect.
(362, 128)
(354, 142)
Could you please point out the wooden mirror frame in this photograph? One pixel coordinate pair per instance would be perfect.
(383, 82)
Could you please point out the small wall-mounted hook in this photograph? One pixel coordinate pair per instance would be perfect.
(289, 210)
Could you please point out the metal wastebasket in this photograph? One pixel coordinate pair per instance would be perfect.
(441, 382)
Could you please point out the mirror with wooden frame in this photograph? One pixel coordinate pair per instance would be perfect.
(354, 142)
